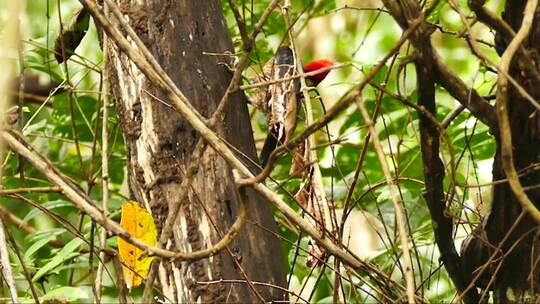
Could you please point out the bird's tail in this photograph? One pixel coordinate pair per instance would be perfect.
(270, 145)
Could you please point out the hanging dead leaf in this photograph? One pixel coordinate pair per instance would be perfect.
(300, 160)
(139, 223)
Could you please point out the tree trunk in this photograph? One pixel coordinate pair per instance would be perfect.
(517, 279)
(159, 143)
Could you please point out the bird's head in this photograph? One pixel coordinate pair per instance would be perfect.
(316, 65)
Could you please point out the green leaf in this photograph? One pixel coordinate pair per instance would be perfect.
(329, 299)
(38, 245)
(380, 76)
(44, 233)
(434, 16)
(63, 255)
(49, 205)
(36, 127)
(353, 119)
(67, 294)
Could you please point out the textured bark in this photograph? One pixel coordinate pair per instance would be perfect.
(517, 279)
(160, 143)
(519, 272)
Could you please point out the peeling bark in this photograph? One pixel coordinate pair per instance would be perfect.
(159, 144)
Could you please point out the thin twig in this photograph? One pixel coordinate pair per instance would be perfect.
(7, 272)
(120, 281)
(476, 51)
(234, 281)
(22, 262)
(445, 77)
(70, 94)
(298, 75)
(434, 173)
(19, 223)
(104, 164)
(182, 105)
(398, 211)
(85, 204)
(29, 190)
(341, 105)
(320, 209)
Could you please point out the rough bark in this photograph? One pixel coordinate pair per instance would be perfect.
(503, 253)
(519, 263)
(160, 143)
(513, 271)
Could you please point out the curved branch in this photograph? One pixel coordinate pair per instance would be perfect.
(506, 33)
(398, 209)
(85, 204)
(502, 113)
(434, 176)
(341, 105)
(468, 97)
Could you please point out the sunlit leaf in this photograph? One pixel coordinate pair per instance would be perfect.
(67, 294)
(65, 254)
(139, 223)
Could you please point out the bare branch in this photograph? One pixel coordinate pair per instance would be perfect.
(529, 66)
(182, 105)
(434, 177)
(29, 190)
(398, 210)
(467, 96)
(85, 204)
(7, 272)
(332, 113)
(104, 166)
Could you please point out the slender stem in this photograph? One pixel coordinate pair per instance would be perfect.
(398, 210)
(104, 164)
(7, 272)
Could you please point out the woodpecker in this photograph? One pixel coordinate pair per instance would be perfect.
(282, 100)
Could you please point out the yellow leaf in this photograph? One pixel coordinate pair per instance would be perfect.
(139, 223)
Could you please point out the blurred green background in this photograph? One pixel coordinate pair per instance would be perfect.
(359, 33)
